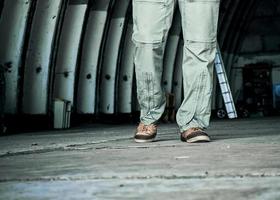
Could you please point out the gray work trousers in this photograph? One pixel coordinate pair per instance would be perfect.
(152, 20)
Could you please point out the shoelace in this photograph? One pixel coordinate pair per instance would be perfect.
(147, 129)
(196, 129)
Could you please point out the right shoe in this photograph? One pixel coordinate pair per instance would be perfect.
(145, 133)
(195, 134)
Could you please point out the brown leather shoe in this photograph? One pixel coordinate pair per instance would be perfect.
(193, 135)
(145, 133)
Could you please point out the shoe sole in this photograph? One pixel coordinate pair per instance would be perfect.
(201, 138)
(144, 141)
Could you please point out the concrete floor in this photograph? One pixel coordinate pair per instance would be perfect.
(103, 162)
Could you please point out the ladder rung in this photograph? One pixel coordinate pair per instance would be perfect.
(224, 82)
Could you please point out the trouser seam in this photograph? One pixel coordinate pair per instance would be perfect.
(196, 97)
(197, 90)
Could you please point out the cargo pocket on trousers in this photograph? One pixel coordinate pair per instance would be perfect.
(201, 19)
(149, 18)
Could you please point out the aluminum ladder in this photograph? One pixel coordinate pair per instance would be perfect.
(224, 85)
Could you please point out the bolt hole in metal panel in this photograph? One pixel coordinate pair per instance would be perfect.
(13, 23)
(38, 59)
(111, 57)
(88, 76)
(68, 49)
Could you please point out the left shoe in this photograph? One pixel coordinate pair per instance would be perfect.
(145, 133)
(193, 135)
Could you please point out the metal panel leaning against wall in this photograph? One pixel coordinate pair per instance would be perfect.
(171, 51)
(90, 59)
(13, 24)
(177, 88)
(126, 72)
(68, 48)
(38, 59)
(111, 54)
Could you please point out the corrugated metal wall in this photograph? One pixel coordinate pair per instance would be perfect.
(69, 50)
(78, 51)
(81, 51)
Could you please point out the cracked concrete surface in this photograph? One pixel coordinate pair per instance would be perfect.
(103, 162)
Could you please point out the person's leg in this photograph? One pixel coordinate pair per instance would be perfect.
(199, 22)
(151, 22)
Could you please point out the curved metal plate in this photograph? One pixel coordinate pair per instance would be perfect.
(126, 73)
(36, 73)
(87, 86)
(12, 32)
(178, 78)
(69, 43)
(170, 52)
(111, 55)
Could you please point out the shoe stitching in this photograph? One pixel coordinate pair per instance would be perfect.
(146, 129)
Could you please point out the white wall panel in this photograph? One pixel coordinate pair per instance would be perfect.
(38, 60)
(111, 57)
(13, 24)
(66, 63)
(95, 34)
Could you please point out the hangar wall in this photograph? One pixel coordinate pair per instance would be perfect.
(81, 51)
